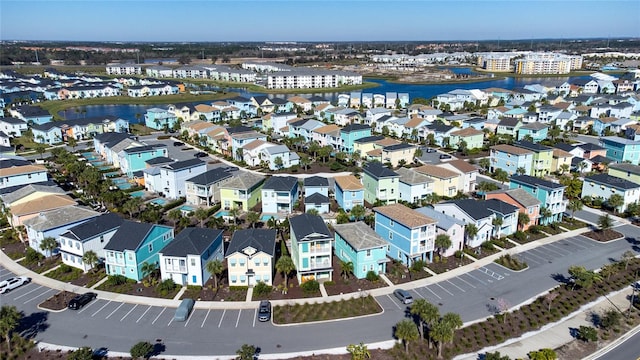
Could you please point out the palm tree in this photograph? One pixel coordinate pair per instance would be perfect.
(201, 214)
(521, 171)
(444, 330)
(48, 244)
(605, 222)
(615, 201)
(427, 314)
(234, 212)
(484, 163)
(564, 168)
(252, 218)
(575, 205)
(358, 212)
(9, 320)
(215, 268)
(442, 242)
(285, 266)
(497, 224)
(346, 268)
(90, 258)
(523, 220)
(148, 269)
(545, 214)
(175, 215)
(313, 211)
(132, 205)
(305, 162)
(406, 332)
(471, 230)
(73, 143)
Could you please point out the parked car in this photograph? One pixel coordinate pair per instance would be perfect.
(200, 154)
(13, 283)
(178, 143)
(79, 301)
(403, 296)
(445, 156)
(264, 311)
(431, 150)
(183, 310)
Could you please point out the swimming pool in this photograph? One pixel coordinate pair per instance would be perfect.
(159, 201)
(187, 208)
(267, 217)
(221, 213)
(124, 186)
(119, 181)
(137, 194)
(111, 174)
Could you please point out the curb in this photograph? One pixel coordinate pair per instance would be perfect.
(332, 320)
(613, 344)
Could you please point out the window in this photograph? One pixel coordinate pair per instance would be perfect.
(78, 245)
(242, 262)
(265, 261)
(256, 261)
(130, 256)
(390, 222)
(193, 262)
(101, 238)
(62, 241)
(150, 247)
(390, 235)
(232, 262)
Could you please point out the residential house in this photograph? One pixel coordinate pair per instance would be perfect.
(349, 192)
(13, 127)
(414, 186)
(278, 122)
(507, 215)
(410, 234)
(172, 177)
(351, 133)
(525, 202)
(304, 128)
(239, 140)
(621, 150)
(472, 138)
(204, 189)
(279, 194)
(396, 155)
(34, 204)
(20, 172)
(509, 126)
(533, 132)
(590, 151)
(446, 225)
(441, 134)
(92, 235)
(160, 119)
(134, 159)
(625, 171)
(550, 194)
(184, 260)
(311, 248)
(510, 158)
(317, 202)
(31, 114)
(542, 157)
(470, 212)
(603, 186)
(241, 191)
(364, 145)
(55, 222)
(561, 161)
(446, 182)
(380, 184)
(316, 184)
(328, 135)
(301, 103)
(250, 257)
(358, 244)
(468, 174)
(133, 245)
(278, 157)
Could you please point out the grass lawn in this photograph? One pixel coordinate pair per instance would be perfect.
(139, 129)
(65, 273)
(511, 262)
(300, 313)
(573, 224)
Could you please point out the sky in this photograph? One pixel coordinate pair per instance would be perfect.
(308, 20)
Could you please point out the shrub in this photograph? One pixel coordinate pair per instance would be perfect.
(83, 353)
(141, 350)
(163, 137)
(329, 283)
(372, 276)
(610, 318)
(418, 265)
(459, 254)
(166, 286)
(520, 236)
(261, 289)
(336, 166)
(535, 229)
(115, 280)
(64, 268)
(32, 256)
(487, 245)
(310, 287)
(587, 333)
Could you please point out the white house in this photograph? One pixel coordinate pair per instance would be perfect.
(604, 186)
(470, 212)
(173, 176)
(12, 126)
(20, 172)
(250, 257)
(414, 186)
(448, 225)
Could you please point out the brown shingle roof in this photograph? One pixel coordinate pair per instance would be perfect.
(463, 166)
(44, 203)
(404, 215)
(387, 142)
(414, 122)
(348, 182)
(467, 132)
(510, 149)
(298, 100)
(436, 171)
(26, 169)
(254, 144)
(327, 129)
(558, 153)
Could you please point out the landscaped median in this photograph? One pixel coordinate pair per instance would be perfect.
(323, 311)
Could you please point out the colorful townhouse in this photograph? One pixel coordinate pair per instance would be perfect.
(311, 248)
(13, 127)
(15, 172)
(380, 183)
(468, 174)
(621, 150)
(242, 191)
(348, 191)
(410, 234)
(250, 257)
(526, 203)
(364, 145)
(172, 177)
(397, 154)
(542, 157)
(534, 132)
(603, 186)
(446, 225)
(160, 119)
(445, 182)
(550, 194)
(204, 189)
(625, 171)
(316, 184)
(414, 186)
(470, 212)
(279, 194)
(134, 159)
(184, 260)
(133, 245)
(509, 126)
(507, 213)
(510, 158)
(471, 137)
(37, 203)
(80, 129)
(560, 160)
(352, 132)
(304, 128)
(360, 245)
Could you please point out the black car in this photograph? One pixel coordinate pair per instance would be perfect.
(178, 143)
(264, 312)
(81, 300)
(431, 150)
(200, 154)
(445, 156)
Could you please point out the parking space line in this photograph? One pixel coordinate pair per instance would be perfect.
(546, 248)
(170, 321)
(529, 253)
(416, 291)
(205, 318)
(572, 243)
(255, 315)
(436, 295)
(37, 296)
(394, 303)
(156, 319)
(143, 314)
(238, 319)
(86, 307)
(25, 294)
(189, 318)
(466, 282)
(222, 317)
(113, 312)
(445, 290)
(475, 278)
(127, 314)
(461, 289)
(559, 249)
(103, 306)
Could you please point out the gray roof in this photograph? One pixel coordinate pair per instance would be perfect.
(443, 221)
(185, 164)
(619, 140)
(521, 196)
(500, 206)
(400, 146)
(631, 168)
(413, 177)
(474, 208)
(160, 160)
(12, 120)
(509, 121)
(316, 198)
(192, 241)
(59, 217)
(280, 183)
(532, 146)
(359, 235)
(534, 126)
(94, 227)
(260, 239)
(210, 177)
(29, 189)
(244, 181)
(316, 181)
(277, 149)
(612, 181)
(377, 170)
(590, 147)
(130, 236)
(307, 224)
(143, 148)
(535, 181)
(369, 139)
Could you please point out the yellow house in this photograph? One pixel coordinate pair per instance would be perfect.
(560, 157)
(398, 154)
(250, 256)
(446, 182)
(241, 192)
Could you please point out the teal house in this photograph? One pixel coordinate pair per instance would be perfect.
(358, 244)
(550, 194)
(351, 133)
(621, 150)
(159, 119)
(133, 245)
(536, 131)
(134, 159)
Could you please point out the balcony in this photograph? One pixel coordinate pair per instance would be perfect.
(323, 264)
(320, 249)
(176, 269)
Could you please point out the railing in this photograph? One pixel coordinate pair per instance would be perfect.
(320, 264)
(181, 269)
(320, 249)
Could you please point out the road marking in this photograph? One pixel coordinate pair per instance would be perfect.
(189, 318)
(416, 291)
(143, 314)
(436, 295)
(559, 249)
(86, 307)
(170, 321)
(108, 316)
(530, 254)
(546, 248)
(474, 278)
(25, 294)
(205, 318)
(255, 315)
(127, 314)
(238, 319)
(103, 306)
(394, 303)
(461, 289)
(466, 282)
(222, 317)
(37, 296)
(154, 320)
(441, 287)
(491, 273)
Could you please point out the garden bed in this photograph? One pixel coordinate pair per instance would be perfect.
(481, 251)
(550, 230)
(65, 273)
(603, 235)
(527, 237)
(15, 250)
(58, 301)
(90, 278)
(448, 263)
(398, 273)
(40, 266)
(503, 243)
(351, 285)
(573, 224)
(511, 262)
(210, 293)
(301, 313)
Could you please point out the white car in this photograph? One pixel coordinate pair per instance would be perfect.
(13, 283)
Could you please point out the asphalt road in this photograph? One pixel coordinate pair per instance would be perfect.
(628, 350)
(118, 326)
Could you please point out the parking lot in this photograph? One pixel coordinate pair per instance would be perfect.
(432, 157)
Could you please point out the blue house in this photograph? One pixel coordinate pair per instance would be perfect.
(537, 131)
(550, 194)
(410, 234)
(358, 244)
(621, 150)
(159, 119)
(317, 202)
(351, 133)
(32, 114)
(348, 192)
(279, 194)
(134, 159)
(244, 104)
(133, 245)
(316, 184)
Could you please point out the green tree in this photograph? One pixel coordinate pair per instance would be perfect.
(9, 320)
(90, 258)
(358, 212)
(246, 352)
(313, 211)
(234, 212)
(627, 256)
(543, 354)
(442, 242)
(615, 201)
(521, 171)
(500, 175)
(40, 149)
(545, 214)
(342, 218)
(73, 143)
(132, 205)
(358, 352)
(406, 331)
(587, 334)
(495, 356)
(575, 205)
(148, 269)
(141, 350)
(444, 330)
(325, 152)
(564, 168)
(523, 220)
(582, 277)
(252, 218)
(418, 153)
(346, 268)
(201, 214)
(605, 222)
(215, 268)
(47, 245)
(83, 353)
(305, 162)
(427, 315)
(314, 147)
(484, 163)
(497, 225)
(174, 215)
(285, 266)
(278, 162)
(471, 230)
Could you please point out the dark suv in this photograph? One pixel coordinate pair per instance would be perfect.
(264, 312)
(81, 300)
